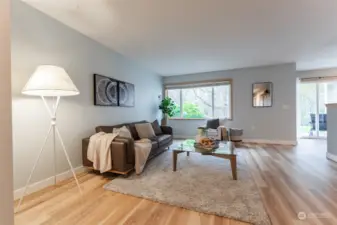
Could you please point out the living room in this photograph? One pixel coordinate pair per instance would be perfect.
(162, 49)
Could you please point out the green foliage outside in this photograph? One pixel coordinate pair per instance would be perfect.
(190, 110)
(176, 111)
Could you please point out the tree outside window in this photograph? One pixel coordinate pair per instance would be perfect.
(202, 102)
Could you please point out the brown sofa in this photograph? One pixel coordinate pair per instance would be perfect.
(122, 149)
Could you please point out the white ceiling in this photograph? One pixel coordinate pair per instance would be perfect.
(174, 37)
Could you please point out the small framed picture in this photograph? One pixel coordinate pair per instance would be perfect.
(262, 94)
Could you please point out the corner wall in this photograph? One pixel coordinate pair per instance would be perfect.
(6, 161)
(276, 123)
(332, 129)
(38, 39)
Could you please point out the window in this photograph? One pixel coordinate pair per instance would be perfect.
(201, 100)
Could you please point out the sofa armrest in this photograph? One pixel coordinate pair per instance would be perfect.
(129, 147)
(167, 130)
(123, 139)
(122, 153)
(119, 156)
(85, 144)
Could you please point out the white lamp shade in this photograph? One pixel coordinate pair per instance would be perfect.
(50, 80)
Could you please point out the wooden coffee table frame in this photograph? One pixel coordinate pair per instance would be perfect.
(232, 159)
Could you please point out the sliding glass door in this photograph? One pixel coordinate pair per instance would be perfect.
(313, 95)
(308, 109)
(321, 123)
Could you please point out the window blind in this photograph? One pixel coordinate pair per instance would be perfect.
(318, 79)
(197, 84)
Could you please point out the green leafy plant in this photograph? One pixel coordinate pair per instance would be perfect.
(168, 106)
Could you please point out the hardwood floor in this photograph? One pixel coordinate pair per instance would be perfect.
(290, 180)
(295, 179)
(63, 205)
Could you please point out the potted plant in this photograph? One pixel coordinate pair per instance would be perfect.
(168, 107)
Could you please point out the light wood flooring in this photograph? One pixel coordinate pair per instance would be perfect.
(295, 179)
(290, 180)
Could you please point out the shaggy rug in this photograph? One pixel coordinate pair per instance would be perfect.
(201, 183)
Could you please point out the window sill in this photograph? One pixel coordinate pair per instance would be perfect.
(187, 118)
(196, 119)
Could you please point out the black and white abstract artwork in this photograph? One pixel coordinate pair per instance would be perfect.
(106, 91)
(126, 94)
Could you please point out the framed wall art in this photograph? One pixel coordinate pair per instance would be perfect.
(262, 95)
(126, 94)
(111, 92)
(105, 91)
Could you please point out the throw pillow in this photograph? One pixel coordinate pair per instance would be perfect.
(145, 130)
(213, 124)
(133, 131)
(122, 132)
(156, 128)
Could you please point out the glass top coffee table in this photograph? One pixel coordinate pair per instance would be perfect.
(226, 150)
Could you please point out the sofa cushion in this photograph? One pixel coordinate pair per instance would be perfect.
(133, 131)
(145, 130)
(154, 145)
(108, 129)
(156, 128)
(122, 132)
(164, 139)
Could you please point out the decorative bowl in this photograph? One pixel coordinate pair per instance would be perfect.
(214, 146)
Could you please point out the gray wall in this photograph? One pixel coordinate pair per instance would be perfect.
(332, 129)
(277, 123)
(38, 39)
(6, 161)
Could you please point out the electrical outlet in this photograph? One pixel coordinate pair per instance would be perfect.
(285, 107)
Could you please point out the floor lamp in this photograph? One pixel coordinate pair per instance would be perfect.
(50, 81)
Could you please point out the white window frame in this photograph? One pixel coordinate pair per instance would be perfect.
(212, 84)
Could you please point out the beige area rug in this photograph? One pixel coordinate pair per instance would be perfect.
(201, 183)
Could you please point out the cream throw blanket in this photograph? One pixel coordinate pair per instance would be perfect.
(99, 151)
(142, 152)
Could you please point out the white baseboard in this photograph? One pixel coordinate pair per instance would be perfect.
(47, 182)
(331, 156)
(275, 142)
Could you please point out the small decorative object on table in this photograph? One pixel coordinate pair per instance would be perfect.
(201, 134)
(202, 131)
(207, 144)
